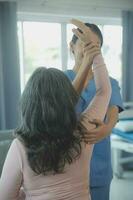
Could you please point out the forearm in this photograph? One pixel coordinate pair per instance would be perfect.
(80, 79)
(99, 104)
(101, 76)
(112, 118)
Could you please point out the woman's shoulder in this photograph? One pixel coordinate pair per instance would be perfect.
(21, 151)
(17, 142)
(19, 145)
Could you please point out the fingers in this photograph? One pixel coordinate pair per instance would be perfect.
(98, 122)
(85, 119)
(91, 45)
(90, 139)
(82, 37)
(91, 51)
(87, 35)
(80, 25)
(78, 34)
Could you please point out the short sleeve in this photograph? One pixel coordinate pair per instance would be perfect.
(116, 98)
(70, 74)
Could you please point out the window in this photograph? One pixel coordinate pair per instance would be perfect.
(112, 50)
(44, 44)
(70, 62)
(41, 46)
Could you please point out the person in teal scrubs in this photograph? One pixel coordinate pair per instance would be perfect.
(101, 169)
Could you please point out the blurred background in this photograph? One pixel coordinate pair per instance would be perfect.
(37, 33)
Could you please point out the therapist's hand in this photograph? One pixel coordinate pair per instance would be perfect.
(84, 33)
(98, 133)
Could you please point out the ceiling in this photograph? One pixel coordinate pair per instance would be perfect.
(110, 8)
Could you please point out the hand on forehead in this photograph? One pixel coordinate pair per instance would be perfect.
(80, 25)
(87, 35)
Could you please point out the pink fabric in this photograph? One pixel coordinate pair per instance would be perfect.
(73, 183)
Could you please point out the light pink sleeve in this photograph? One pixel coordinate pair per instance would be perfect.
(99, 104)
(11, 178)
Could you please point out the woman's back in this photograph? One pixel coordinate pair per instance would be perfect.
(71, 184)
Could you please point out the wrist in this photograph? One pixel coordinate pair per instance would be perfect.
(98, 61)
(87, 63)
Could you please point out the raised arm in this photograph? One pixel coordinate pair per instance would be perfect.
(98, 106)
(81, 76)
(79, 81)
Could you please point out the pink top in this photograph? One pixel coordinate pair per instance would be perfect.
(73, 183)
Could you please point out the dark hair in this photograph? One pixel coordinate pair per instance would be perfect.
(94, 28)
(49, 121)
